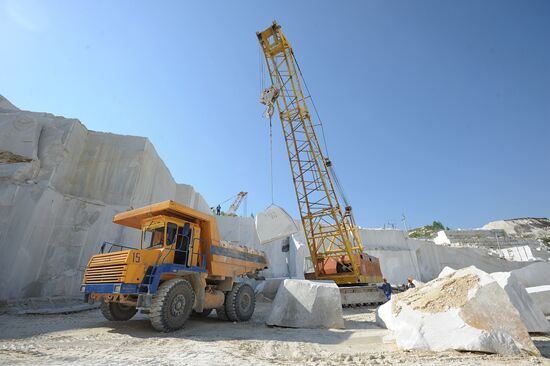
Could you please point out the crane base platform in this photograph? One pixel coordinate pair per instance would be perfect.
(353, 296)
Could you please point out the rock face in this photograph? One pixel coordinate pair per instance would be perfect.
(536, 274)
(529, 312)
(465, 310)
(60, 186)
(541, 297)
(307, 304)
(401, 256)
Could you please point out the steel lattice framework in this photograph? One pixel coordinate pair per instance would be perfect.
(330, 233)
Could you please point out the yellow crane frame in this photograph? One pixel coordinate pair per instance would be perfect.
(330, 233)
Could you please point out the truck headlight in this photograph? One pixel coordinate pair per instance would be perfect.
(83, 288)
(116, 288)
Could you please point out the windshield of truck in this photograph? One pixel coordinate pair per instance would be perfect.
(153, 237)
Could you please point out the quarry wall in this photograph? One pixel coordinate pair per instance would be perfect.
(401, 256)
(60, 186)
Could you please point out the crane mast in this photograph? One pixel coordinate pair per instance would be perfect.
(332, 237)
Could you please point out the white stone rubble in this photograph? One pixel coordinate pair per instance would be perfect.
(465, 310)
(446, 271)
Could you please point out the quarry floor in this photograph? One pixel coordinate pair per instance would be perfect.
(87, 338)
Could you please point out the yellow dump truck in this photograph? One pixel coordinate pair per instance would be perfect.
(182, 268)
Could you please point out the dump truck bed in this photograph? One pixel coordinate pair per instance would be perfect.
(222, 259)
(133, 218)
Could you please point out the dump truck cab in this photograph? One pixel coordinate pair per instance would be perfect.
(180, 266)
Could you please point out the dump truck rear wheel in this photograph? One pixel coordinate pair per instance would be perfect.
(222, 315)
(172, 305)
(115, 311)
(201, 314)
(240, 302)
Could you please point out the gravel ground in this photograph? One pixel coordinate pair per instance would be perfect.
(87, 338)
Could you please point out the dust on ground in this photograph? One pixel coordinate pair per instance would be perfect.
(445, 293)
(87, 338)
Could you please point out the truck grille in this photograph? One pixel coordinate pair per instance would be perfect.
(104, 268)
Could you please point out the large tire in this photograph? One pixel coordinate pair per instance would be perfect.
(172, 305)
(222, 315)
(202, 314)
(240, 302)
(115, 311)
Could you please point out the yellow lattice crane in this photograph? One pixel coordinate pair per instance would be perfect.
(332, 237)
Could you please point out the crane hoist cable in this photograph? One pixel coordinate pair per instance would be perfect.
(271, 158)
(328, 162)
(268, 97)
(312, 102)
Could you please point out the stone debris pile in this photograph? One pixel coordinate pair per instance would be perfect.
(531, 313)
(463, 310)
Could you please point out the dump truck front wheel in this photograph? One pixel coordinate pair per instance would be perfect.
(115, 311)
(240, 302)
(172, 305)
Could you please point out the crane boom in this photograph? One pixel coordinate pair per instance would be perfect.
(332, 237)
(236, 203)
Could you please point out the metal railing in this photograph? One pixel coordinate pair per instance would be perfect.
(112, 245)
(108, 247)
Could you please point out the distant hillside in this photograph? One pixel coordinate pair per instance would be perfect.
(427, 231)
(527, 227)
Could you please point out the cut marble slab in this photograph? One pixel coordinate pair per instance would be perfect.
(274, 223)
(307, 304)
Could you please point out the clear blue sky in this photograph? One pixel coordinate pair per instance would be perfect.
(438, 109)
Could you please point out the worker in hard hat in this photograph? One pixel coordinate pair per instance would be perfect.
(410, 283)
